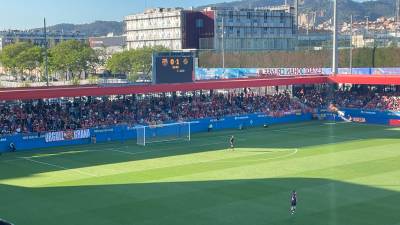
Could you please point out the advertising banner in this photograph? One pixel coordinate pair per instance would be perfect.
(394, 122)
(290, 71)
(238, 73)
(348, 71)
(362, 116)
(386, 71)
(228, 73)
(67, 135)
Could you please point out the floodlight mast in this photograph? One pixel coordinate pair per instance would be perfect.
(335, 36)
(223, 43)
(351, 44)
(46, 70)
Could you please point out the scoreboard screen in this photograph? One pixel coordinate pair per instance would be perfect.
(169, 69)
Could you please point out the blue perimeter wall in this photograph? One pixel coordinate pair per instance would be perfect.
(362, 116)
(122, 133)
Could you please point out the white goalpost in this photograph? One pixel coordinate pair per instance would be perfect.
(163, 133)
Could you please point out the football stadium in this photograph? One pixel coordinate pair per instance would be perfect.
(192, 137)
(227, 151)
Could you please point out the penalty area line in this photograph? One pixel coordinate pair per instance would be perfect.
(11, 160)
(296, 150)
(319, 136)
(59, 167)
(161, 150)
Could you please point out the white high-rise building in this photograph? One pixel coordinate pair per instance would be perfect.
(214, 28)
(255, 29)
(155, 27)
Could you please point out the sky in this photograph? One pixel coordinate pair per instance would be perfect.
(25, 14)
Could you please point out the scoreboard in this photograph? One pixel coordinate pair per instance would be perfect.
(173, 67)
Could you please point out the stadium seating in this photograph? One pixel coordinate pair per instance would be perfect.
(43, 116)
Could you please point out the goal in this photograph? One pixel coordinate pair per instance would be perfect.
(163, 133)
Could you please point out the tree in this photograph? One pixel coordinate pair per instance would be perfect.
(120, 63)
(147, 60)
(142, 59)
(102, 57)
(29, 59)
(61, 59)
(9, 56)
(89, 60)
(72, 58)
(133, 62)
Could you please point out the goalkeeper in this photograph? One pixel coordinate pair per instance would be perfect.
(232, 142)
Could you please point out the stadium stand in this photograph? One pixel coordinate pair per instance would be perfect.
(43, 116)
(352, 99)
(88, 112)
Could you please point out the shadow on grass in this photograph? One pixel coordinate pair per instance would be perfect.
(255, 202)
(289, 136)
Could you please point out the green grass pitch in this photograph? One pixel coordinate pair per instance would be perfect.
(344, 173)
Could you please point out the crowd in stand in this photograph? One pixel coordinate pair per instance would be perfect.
(385, 102)
(43, 116)
(351, 99)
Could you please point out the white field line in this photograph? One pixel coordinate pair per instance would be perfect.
(159, 150)
(167, 149)
(296, 150)
(203, 145)
(59, 167)
(31, 157)
(12, 160)
(311, 135)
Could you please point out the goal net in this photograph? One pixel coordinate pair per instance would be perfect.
(163, 133)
